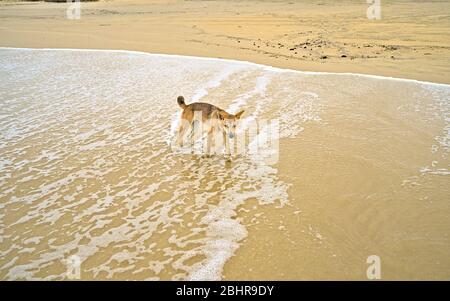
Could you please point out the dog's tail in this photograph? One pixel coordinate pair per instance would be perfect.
(180, 101)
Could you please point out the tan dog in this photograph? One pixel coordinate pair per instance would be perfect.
(213, 120)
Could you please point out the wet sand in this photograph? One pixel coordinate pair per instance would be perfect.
(412, 39)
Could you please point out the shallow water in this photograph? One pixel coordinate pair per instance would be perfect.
(86, 170)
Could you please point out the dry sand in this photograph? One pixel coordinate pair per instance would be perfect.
(412, 39)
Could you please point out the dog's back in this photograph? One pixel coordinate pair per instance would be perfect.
(188, 110)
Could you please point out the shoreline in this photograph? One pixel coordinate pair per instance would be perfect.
(265, 67)
(346, 151)
(408, 42)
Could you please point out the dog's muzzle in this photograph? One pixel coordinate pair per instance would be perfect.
(231, 135)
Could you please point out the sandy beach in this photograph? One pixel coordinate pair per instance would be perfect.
(91, 187)
(411, 40)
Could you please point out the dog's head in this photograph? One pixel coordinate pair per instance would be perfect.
(229, 122)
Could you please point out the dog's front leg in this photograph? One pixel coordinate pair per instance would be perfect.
(227, 145)
(181, 133)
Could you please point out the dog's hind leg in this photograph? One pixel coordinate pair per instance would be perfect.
(181, 133)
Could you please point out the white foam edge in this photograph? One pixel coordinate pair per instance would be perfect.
(265, 67)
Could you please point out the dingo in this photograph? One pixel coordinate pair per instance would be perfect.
(213, 120)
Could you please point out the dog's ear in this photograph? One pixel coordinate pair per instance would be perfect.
(222, 115)
(239, 114)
